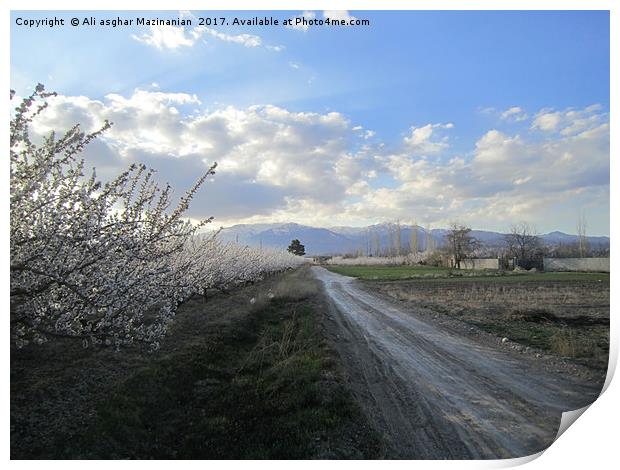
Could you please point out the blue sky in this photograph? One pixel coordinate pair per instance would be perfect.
(425, 116)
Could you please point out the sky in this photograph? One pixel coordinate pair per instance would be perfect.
(482, 118)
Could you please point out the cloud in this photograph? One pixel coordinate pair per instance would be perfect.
(546, 121)
(515, 113)
(512, 114)
(248, 40)
(506, 176)
(309, 167)
(368, 134)
(169, 37)
(300, 26)
(421, 142)
(496, 147)
(570, 121)
(340, 15)
(273, 156)
(173, 37)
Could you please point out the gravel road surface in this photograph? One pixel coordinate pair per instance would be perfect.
(437, 395)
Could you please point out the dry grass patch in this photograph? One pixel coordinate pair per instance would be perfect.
(244, 375)
(569, 319)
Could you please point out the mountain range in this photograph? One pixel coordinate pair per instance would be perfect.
(344, 240)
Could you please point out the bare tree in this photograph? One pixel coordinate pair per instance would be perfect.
(390, 241)
(429, 242)
(524, 244)
(376, 243)
(460, 243)
(398, 238)
(581, 233)
(413, 245)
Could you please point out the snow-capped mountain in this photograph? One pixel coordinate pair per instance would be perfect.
(342, 240)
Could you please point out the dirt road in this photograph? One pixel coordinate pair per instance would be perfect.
(438, 395)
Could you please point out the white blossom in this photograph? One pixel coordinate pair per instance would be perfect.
(108, 263)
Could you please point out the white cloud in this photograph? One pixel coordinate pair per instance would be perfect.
(512, 114)
(273, 157)
(300, 26)
(506, 177)
(523, 180)
(546, 121)
(173, 37)
(248, 40)
(276, 164)
(341, 15)
(421, 142)
(369, 134)
(169, 37)
(569, 121)
(593, 108)
(496, 147)
(515, 113)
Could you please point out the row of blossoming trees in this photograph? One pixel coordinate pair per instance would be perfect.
(107, 263)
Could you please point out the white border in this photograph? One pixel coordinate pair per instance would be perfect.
(589, 443)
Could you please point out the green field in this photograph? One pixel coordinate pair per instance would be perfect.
(394, 273)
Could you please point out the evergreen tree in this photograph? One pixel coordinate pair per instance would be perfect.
(296, 248)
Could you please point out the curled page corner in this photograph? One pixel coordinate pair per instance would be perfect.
(518, 461)
(612, 362)
(568, 418)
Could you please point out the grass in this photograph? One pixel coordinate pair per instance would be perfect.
(567, 318)
(429, 273)
(588, 345)
(383, 273)
(235, 378)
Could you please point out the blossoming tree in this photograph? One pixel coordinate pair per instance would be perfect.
(107, 263)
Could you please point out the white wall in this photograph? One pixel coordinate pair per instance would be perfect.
(480, 263)
(410, 259)
(577, 264)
